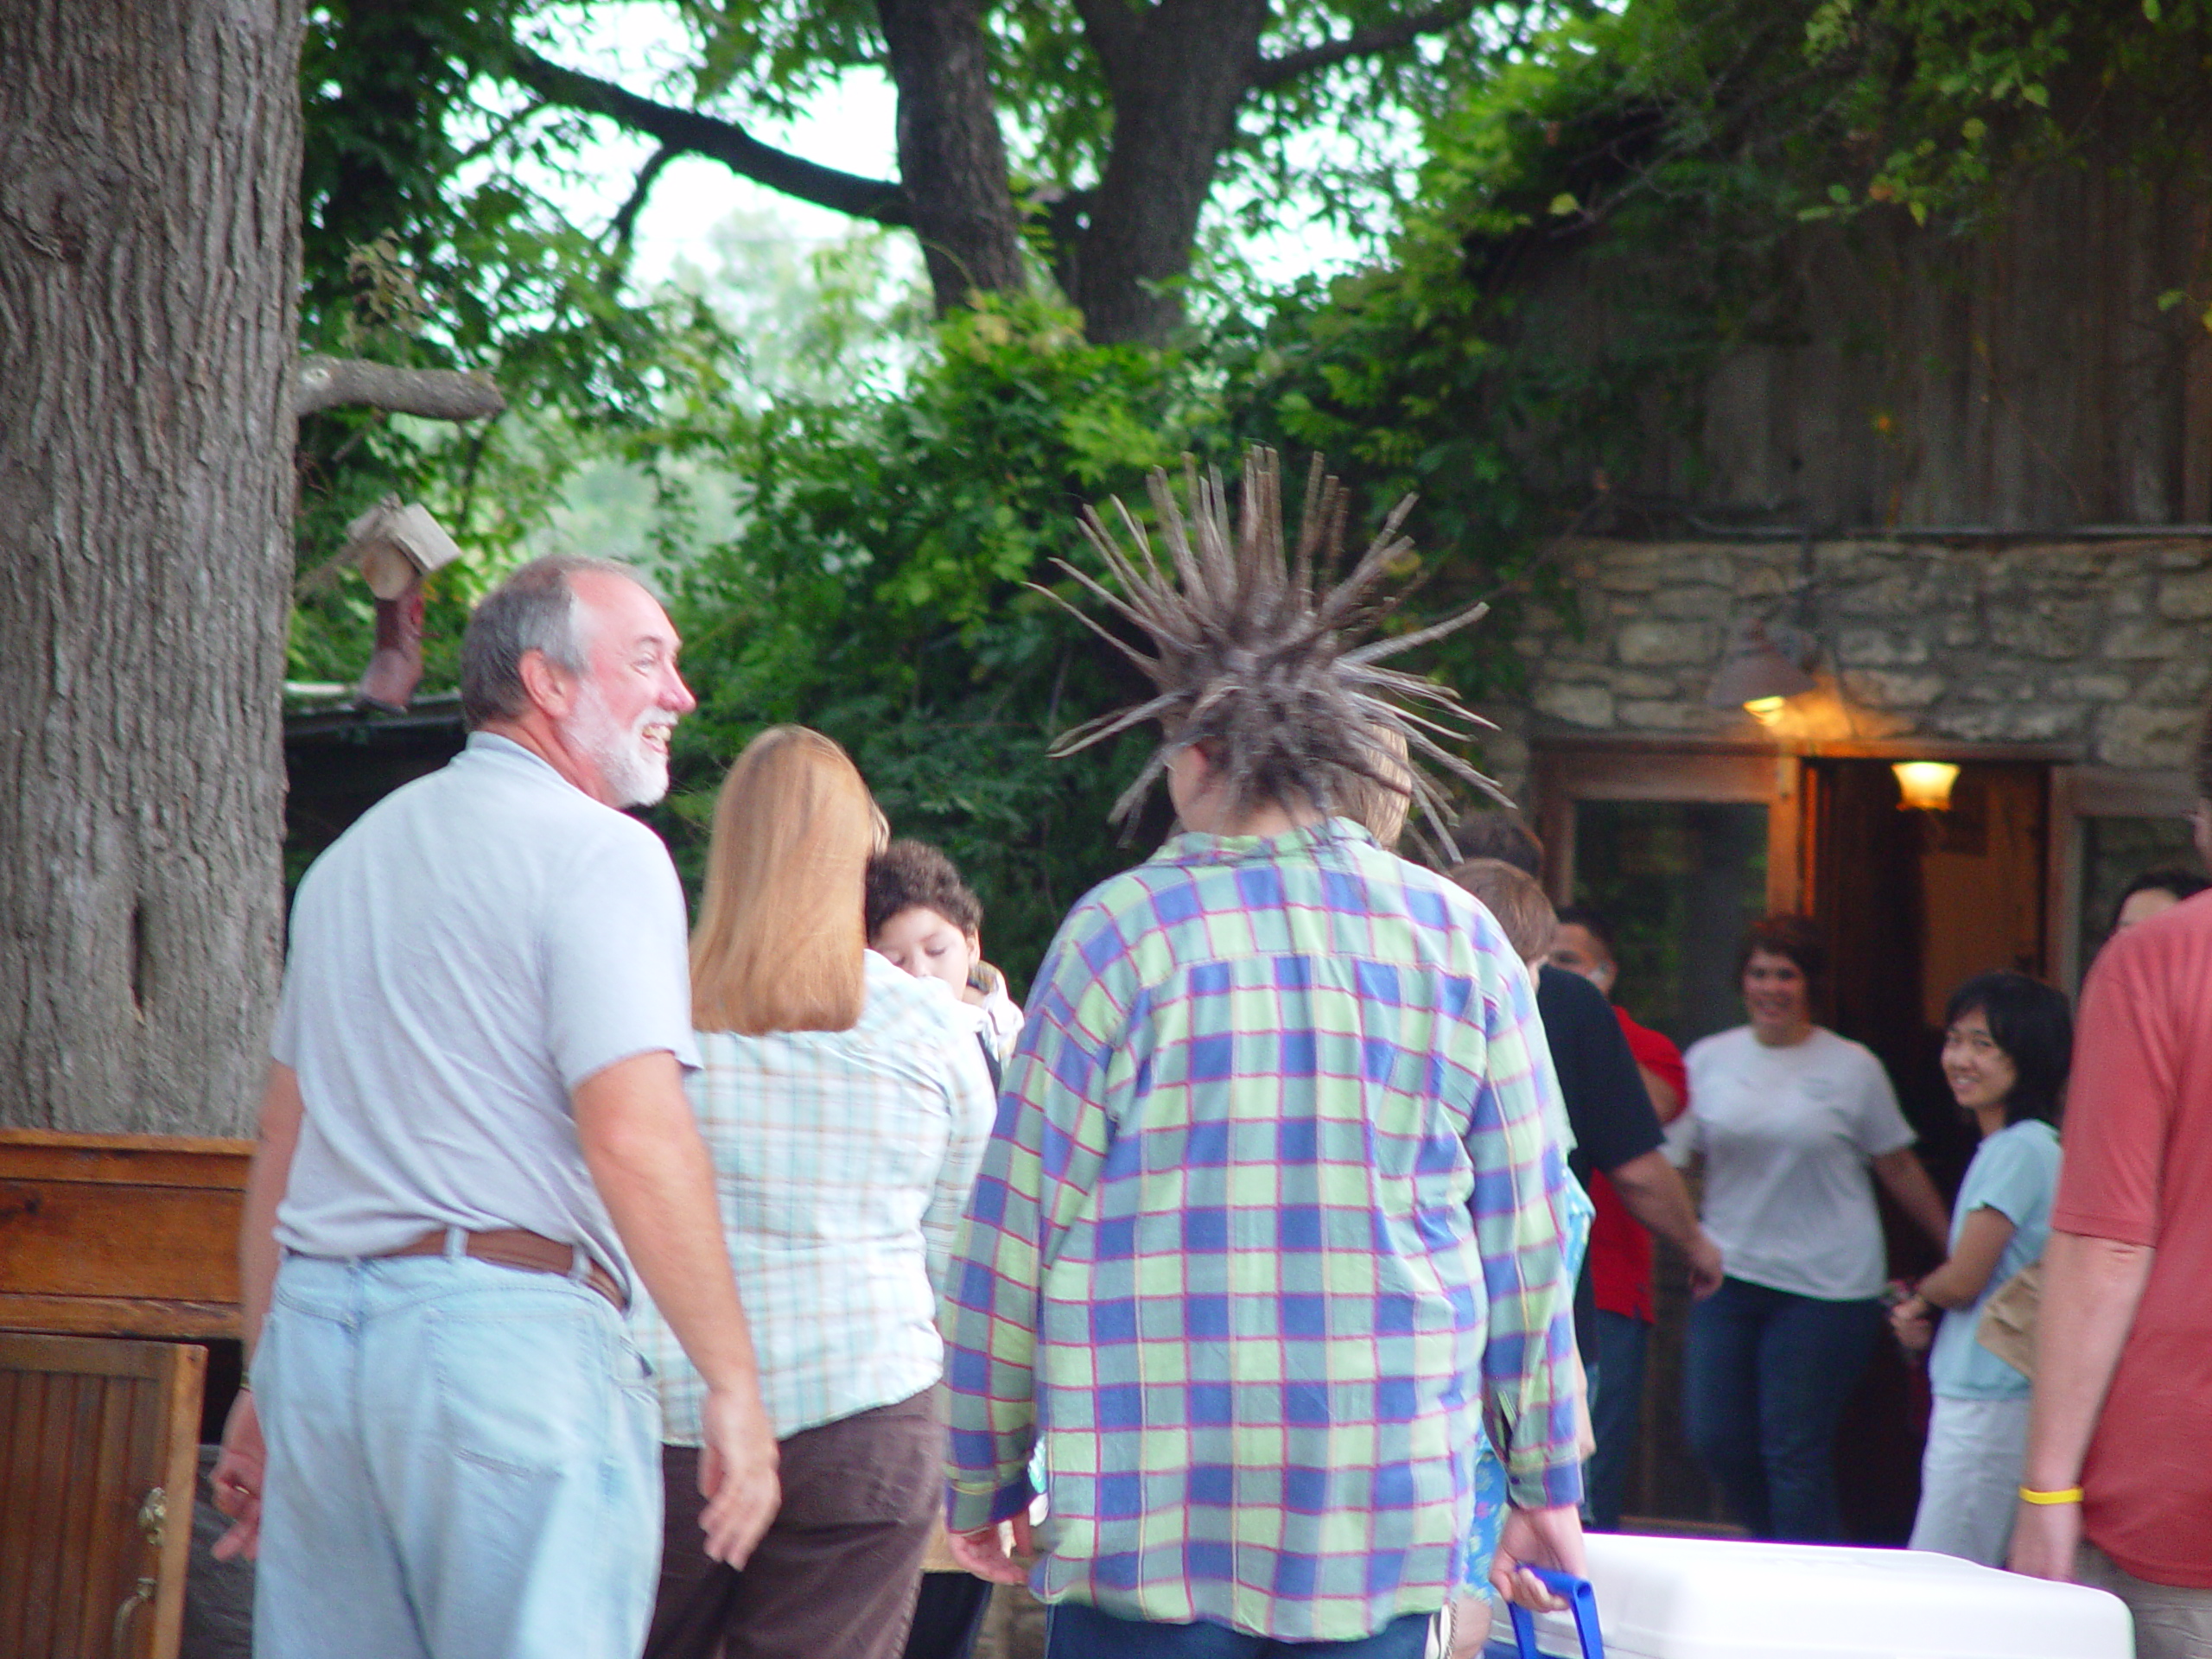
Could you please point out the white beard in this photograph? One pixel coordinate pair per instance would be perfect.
(634, 771)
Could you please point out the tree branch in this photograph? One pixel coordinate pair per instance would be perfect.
(1270, 73)
(625, 222)
(689, 132)
(438, 394)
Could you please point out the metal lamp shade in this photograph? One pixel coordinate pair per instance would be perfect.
(1755, 669)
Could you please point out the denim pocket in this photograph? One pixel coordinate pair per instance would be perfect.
(521, 1387)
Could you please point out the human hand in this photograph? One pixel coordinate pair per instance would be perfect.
(2045, 1539)
(1913, 1323)
(984, 1552)
(236, 1480)
(1706, 1268)
(1530, 1538)
(737, 1472)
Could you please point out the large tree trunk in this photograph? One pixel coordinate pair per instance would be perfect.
(1178, 71)
(951, 155)
(148, 165)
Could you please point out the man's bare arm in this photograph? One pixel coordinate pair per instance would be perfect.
(2091, 1288)
(1652, 1190)
(642, 1144)
(237, 1473)
(266, 1184)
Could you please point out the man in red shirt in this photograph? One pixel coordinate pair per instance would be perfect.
(1620, 1249)
(2117, 1489)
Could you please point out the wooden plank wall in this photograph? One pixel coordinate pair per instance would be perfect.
(2022, 379)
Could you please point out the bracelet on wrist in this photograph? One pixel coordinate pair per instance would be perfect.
(2064, 1495)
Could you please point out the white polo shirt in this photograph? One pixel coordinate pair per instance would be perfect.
(480, 943)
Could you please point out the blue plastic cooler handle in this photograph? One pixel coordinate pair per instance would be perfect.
(1580, 1598)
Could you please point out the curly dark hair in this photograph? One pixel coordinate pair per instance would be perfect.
(1798, 938)
(2033, 1024)
(1250, 660)
(914, 875)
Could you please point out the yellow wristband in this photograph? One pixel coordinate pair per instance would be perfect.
(2069, 1495)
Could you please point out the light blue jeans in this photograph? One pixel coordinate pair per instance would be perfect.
(463, 1464)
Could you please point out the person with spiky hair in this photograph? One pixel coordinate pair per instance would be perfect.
(1266, 1250)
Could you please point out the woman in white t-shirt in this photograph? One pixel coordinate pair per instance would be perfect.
(1795, 1124)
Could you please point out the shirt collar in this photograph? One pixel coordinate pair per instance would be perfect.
(1192, 847)
(504, 750)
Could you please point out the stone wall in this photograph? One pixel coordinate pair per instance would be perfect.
(2102, 648)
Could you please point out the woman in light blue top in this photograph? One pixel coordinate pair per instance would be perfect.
(2006, 1045)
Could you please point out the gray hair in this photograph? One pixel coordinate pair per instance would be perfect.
(534, 609)
(1252, 656)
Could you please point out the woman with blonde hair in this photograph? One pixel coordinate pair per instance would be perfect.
(846, 1105)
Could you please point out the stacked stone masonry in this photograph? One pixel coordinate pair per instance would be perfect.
(2102, 649)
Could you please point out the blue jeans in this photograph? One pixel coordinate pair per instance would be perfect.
(1616, 1412)
(1765, 1377)
(1073, 1631)
(463, 1464)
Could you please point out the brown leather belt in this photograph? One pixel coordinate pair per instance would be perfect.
(514, 1247)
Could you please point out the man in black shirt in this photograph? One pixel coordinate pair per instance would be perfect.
(1616, 1131)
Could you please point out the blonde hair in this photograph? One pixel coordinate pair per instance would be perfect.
(1516, 898)
(779, 944)
(1377, 806)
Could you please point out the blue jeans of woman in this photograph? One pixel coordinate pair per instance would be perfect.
(1765, 1377)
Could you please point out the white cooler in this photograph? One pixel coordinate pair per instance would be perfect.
(1705, 1599)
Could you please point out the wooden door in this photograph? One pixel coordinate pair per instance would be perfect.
(98, 1458)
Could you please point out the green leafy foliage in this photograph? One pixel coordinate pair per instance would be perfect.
(1601, 219)
(874, 590)
(429, 241)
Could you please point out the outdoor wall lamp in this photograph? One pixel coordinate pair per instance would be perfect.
(1760, 672)
(1925, 785)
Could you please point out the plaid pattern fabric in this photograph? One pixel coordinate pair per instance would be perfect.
(1269, 1227)
(843, 1160)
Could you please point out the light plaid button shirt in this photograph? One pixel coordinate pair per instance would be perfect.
(843, 1160)
(1268, 1226)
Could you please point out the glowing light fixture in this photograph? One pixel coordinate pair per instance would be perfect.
(1925, 785)
(1757, 674)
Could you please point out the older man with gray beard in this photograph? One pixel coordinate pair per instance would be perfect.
(474, 1140)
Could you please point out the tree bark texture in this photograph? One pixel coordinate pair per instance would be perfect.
(149, 155)
(1177, 70)
(951, 155)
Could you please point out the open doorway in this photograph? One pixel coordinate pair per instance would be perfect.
(1915, 903)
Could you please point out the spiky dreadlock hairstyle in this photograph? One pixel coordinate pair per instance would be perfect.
(1249, 660)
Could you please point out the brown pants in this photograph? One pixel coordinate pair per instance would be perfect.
(834, 1574)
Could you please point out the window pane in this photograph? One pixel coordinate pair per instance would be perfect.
(1679, 880)
(2114, 851)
